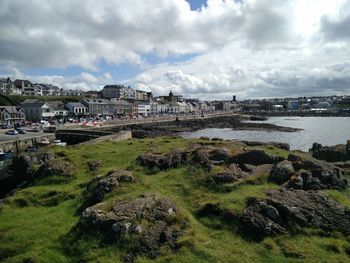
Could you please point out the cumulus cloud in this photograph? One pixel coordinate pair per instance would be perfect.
(336, 28)
(83, 81)
(251, 48)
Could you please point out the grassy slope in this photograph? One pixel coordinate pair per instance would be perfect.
(29, 228)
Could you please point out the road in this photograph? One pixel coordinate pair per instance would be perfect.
(5, 138)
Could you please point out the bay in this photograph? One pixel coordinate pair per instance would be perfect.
(324, 130)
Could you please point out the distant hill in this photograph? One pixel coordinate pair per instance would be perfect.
(5, 101)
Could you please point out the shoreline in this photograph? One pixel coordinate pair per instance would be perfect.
(174, 127)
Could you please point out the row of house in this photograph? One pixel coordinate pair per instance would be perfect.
(11, 115)
(36, 110)
(26, 88)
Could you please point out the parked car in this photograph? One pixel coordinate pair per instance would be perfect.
(21, 131)
(11, 132)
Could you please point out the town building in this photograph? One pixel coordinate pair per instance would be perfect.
(60, 112)
(97, 107)
(37, 110)
(76, 109)
(7, 87)
(121, 107)
(11, 115)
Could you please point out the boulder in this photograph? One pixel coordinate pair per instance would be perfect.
(281, 172)
(122, 175)
(230, 175)
(55, 167)
(152, 160)
(280, 145)
(219, 154)
(255, 157)
(101, 185)
(286, 208)
(149, 218)
(163, 161)
(260, 220)
(22, 164)
(318, 174)
(337, 153)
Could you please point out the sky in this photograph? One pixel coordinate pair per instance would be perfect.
(206, 49)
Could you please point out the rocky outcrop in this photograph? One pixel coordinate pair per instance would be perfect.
(255, 157)
(152, 220)
(280, 145)
(281, 172)
(101, 185)
(313, 174)
(286, 211)
(230, 175)
(337, 153)
(55, 167)
(22, 164)
(163, 161)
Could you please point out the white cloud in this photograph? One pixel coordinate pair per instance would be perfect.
(251, 48)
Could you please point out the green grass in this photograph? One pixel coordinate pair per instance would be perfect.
(37, 222)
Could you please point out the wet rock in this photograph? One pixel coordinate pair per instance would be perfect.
(299, 207)
(55, 167)
(255, 157)
(281, 172)
(149, 218)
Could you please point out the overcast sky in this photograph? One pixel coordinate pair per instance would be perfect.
(209, 49)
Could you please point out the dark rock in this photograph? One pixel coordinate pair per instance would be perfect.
(294, 158)
(122, 176)
(296, 182)
(201, 156)
(163, 162)
(316, 146)
(230, 175)
(148, 217)
(281, 145)
(331, 153)
(219, 154)
(152, 160)
(101, 185)
(281, 172)
(255, 157)
(55, 167)
(283, 208)
(318, 175)
(257, 118)
(94, 165)
(257, 223)
(22, 164)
